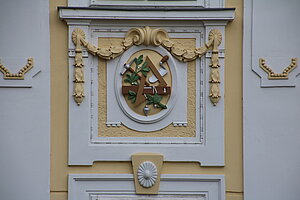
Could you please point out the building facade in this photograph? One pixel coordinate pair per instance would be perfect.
(149, 100)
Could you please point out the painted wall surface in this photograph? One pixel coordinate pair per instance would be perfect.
(25, 112)
(271, 115)
(59, 114)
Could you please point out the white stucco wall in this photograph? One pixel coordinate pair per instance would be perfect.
(25, 112)
(271, 114)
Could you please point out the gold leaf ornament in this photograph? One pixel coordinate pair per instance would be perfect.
(216, 36)
(127, 42)
(78, 76)
(20, 75)
(77, 33)
(214, 75)
(104, 53)
(116, 49)
(277, 76)
(200, 51)
(189, 55)
(137, 35)
(168, 44)
(157, 36)
(147, 36)
(177, 51)
(215, 94)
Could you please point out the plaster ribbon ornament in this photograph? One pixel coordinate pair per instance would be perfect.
(275, 76)
(147, 36)
(147, 174)
(19, 75)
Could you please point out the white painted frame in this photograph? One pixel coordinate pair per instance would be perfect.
(91, 186)
(85, 146)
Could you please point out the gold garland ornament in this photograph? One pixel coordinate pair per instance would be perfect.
(147, 36)
(19, 75)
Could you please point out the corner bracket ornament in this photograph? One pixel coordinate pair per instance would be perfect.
(20, 74)
(147, 36)
(275, 76)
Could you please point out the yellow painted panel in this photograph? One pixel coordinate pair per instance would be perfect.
(233, 99)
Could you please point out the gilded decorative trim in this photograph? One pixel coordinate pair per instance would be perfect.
(214, 92)
(148, 36)
(274, 76)
(78, 94)
(17, 76)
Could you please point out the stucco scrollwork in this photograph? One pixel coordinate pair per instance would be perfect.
(148, 36)
(276, 76)
(20, 74)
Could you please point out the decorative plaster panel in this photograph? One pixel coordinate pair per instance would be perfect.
(20, 74)
(17, 72)
(277, 71)
(86, 146)
(121, 186)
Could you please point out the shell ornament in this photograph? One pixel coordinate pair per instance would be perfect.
(147, 174)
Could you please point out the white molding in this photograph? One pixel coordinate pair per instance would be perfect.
(174, 3)
(204, 14)
(179, 186)
(180, 3)
(180, 124)
(72, 53)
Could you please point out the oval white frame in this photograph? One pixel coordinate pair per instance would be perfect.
(121, 99)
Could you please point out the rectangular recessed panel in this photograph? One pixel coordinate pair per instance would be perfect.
(106, 128)
(121, 187)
